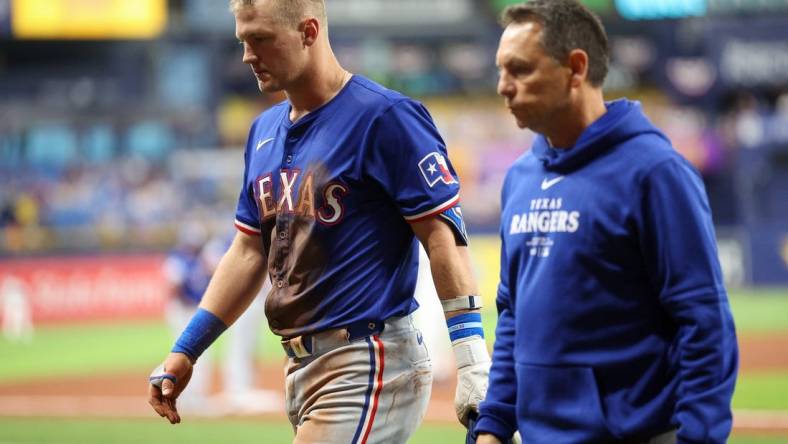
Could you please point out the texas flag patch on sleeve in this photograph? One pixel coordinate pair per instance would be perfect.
(435, 169)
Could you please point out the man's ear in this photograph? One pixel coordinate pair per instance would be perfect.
(578, 65)
(310, 30)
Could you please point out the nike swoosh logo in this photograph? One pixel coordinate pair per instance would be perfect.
(263, 142)
(548, 183)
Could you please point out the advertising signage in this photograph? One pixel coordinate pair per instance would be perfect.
(87, 19)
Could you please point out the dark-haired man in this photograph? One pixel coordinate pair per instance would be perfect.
(614, 325)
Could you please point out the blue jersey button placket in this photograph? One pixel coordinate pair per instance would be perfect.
(283, 247)
(293, 136)
(283, 222)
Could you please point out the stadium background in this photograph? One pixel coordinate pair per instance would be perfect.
(121, 120)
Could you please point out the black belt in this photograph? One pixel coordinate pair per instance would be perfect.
(305, 345)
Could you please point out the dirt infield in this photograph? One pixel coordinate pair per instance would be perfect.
(123, 395)
(763, 352)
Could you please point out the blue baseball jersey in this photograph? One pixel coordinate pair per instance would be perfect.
(614, 322)
(332, 195)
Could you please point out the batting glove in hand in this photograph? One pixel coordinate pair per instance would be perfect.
(167, 381)
(473, 369)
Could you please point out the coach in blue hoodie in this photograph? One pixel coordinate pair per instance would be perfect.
(614, 325)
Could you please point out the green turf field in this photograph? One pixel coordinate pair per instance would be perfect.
(760, 311)
(81, 349)
(93, 431)
(86, 431)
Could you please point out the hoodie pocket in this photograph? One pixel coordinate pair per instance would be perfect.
(559, 404)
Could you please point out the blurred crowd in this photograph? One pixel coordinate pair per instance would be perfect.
(134, 200)
(113, 145)
(121, 203)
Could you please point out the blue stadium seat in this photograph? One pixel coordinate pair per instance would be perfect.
(51, 144)
(99, 143)
(150, 139)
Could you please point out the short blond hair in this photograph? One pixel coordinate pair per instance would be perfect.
(290, 11)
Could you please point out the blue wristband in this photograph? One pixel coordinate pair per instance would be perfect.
(203, 329)
(465, 325)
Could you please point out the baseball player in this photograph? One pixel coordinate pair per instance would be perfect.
(340, 181)
(614, 325)
(187, 272)
(16, 313)
(239, 393)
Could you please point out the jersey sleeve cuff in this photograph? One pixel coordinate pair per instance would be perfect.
(246, 228)
(434, 211)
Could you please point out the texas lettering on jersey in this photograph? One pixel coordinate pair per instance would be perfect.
(299, 201)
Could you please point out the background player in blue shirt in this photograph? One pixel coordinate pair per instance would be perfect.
(614, 325)
(340, 180)
(187, 272)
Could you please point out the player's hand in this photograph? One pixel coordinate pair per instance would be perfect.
(486, 438)
(167, 381)
(471, 389)
(473, 370)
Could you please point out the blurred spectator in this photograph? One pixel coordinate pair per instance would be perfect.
(188, 268)
(240, 393)
(17, 313)
(188, 274)
(748, 116)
